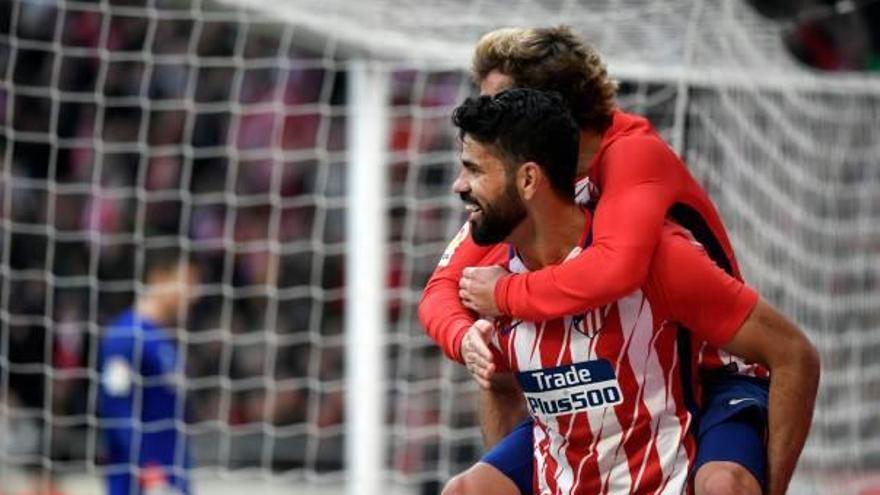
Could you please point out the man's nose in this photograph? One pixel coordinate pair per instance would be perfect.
(460, 185)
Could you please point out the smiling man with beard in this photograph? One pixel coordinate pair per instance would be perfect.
(610, 401)
(492, 219)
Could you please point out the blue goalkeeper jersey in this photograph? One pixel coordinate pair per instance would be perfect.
(141, 413)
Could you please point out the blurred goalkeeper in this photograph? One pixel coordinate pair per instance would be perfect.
(141, 409)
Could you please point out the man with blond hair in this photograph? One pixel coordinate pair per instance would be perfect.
(636, 182)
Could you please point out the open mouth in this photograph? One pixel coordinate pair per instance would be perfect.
(473, 209)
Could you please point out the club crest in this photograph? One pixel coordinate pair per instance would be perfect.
(591, 322)
(454, 243)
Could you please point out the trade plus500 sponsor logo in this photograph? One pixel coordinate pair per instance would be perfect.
(571, 388)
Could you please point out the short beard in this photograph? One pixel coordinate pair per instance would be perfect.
(499, 219)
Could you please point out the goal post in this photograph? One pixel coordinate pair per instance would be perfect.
(365, 316)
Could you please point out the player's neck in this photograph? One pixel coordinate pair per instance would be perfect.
(589, 145)
(547, 237)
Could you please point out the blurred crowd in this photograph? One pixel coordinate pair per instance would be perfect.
(241, 160)
(831, 35)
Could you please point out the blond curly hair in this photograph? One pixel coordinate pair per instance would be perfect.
(551, 59)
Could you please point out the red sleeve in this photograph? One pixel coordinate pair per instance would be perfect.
(639, 179)
(698, 293)
(444, 317)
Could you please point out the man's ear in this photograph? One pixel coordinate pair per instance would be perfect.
(528, 178)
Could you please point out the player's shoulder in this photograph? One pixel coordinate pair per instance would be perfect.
(119, 328)
(676, 244)
(121, 333)
(636, 157)
(638, 147)
(632, 134)
(676, 254)
(683, 276)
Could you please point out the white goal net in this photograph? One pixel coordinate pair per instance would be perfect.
(224, 128)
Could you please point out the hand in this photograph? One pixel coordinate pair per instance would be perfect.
(477, 288)
(476, 354)
(154, 481)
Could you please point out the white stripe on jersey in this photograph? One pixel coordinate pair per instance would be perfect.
(528, 344)
(604, 426)
(654, 396)
(667, 428)
(636, 329)
(676, 478)
(579, 346)
(566, 344)
(535, 352)
(525, 340)
(540, 460)
(564, 471)
(671, 444)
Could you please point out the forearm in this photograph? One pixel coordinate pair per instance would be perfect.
(440, 310)
(501, 409)
(444, 318)
(767, 337)
(448, 332)
(626, 230)
(560, 290)
(792, 395)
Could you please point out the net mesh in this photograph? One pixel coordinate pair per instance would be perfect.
(221, 128)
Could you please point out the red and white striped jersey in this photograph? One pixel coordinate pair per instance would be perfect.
(610, 390)
(708, 358)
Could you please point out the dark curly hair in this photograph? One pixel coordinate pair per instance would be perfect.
(525, 125)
